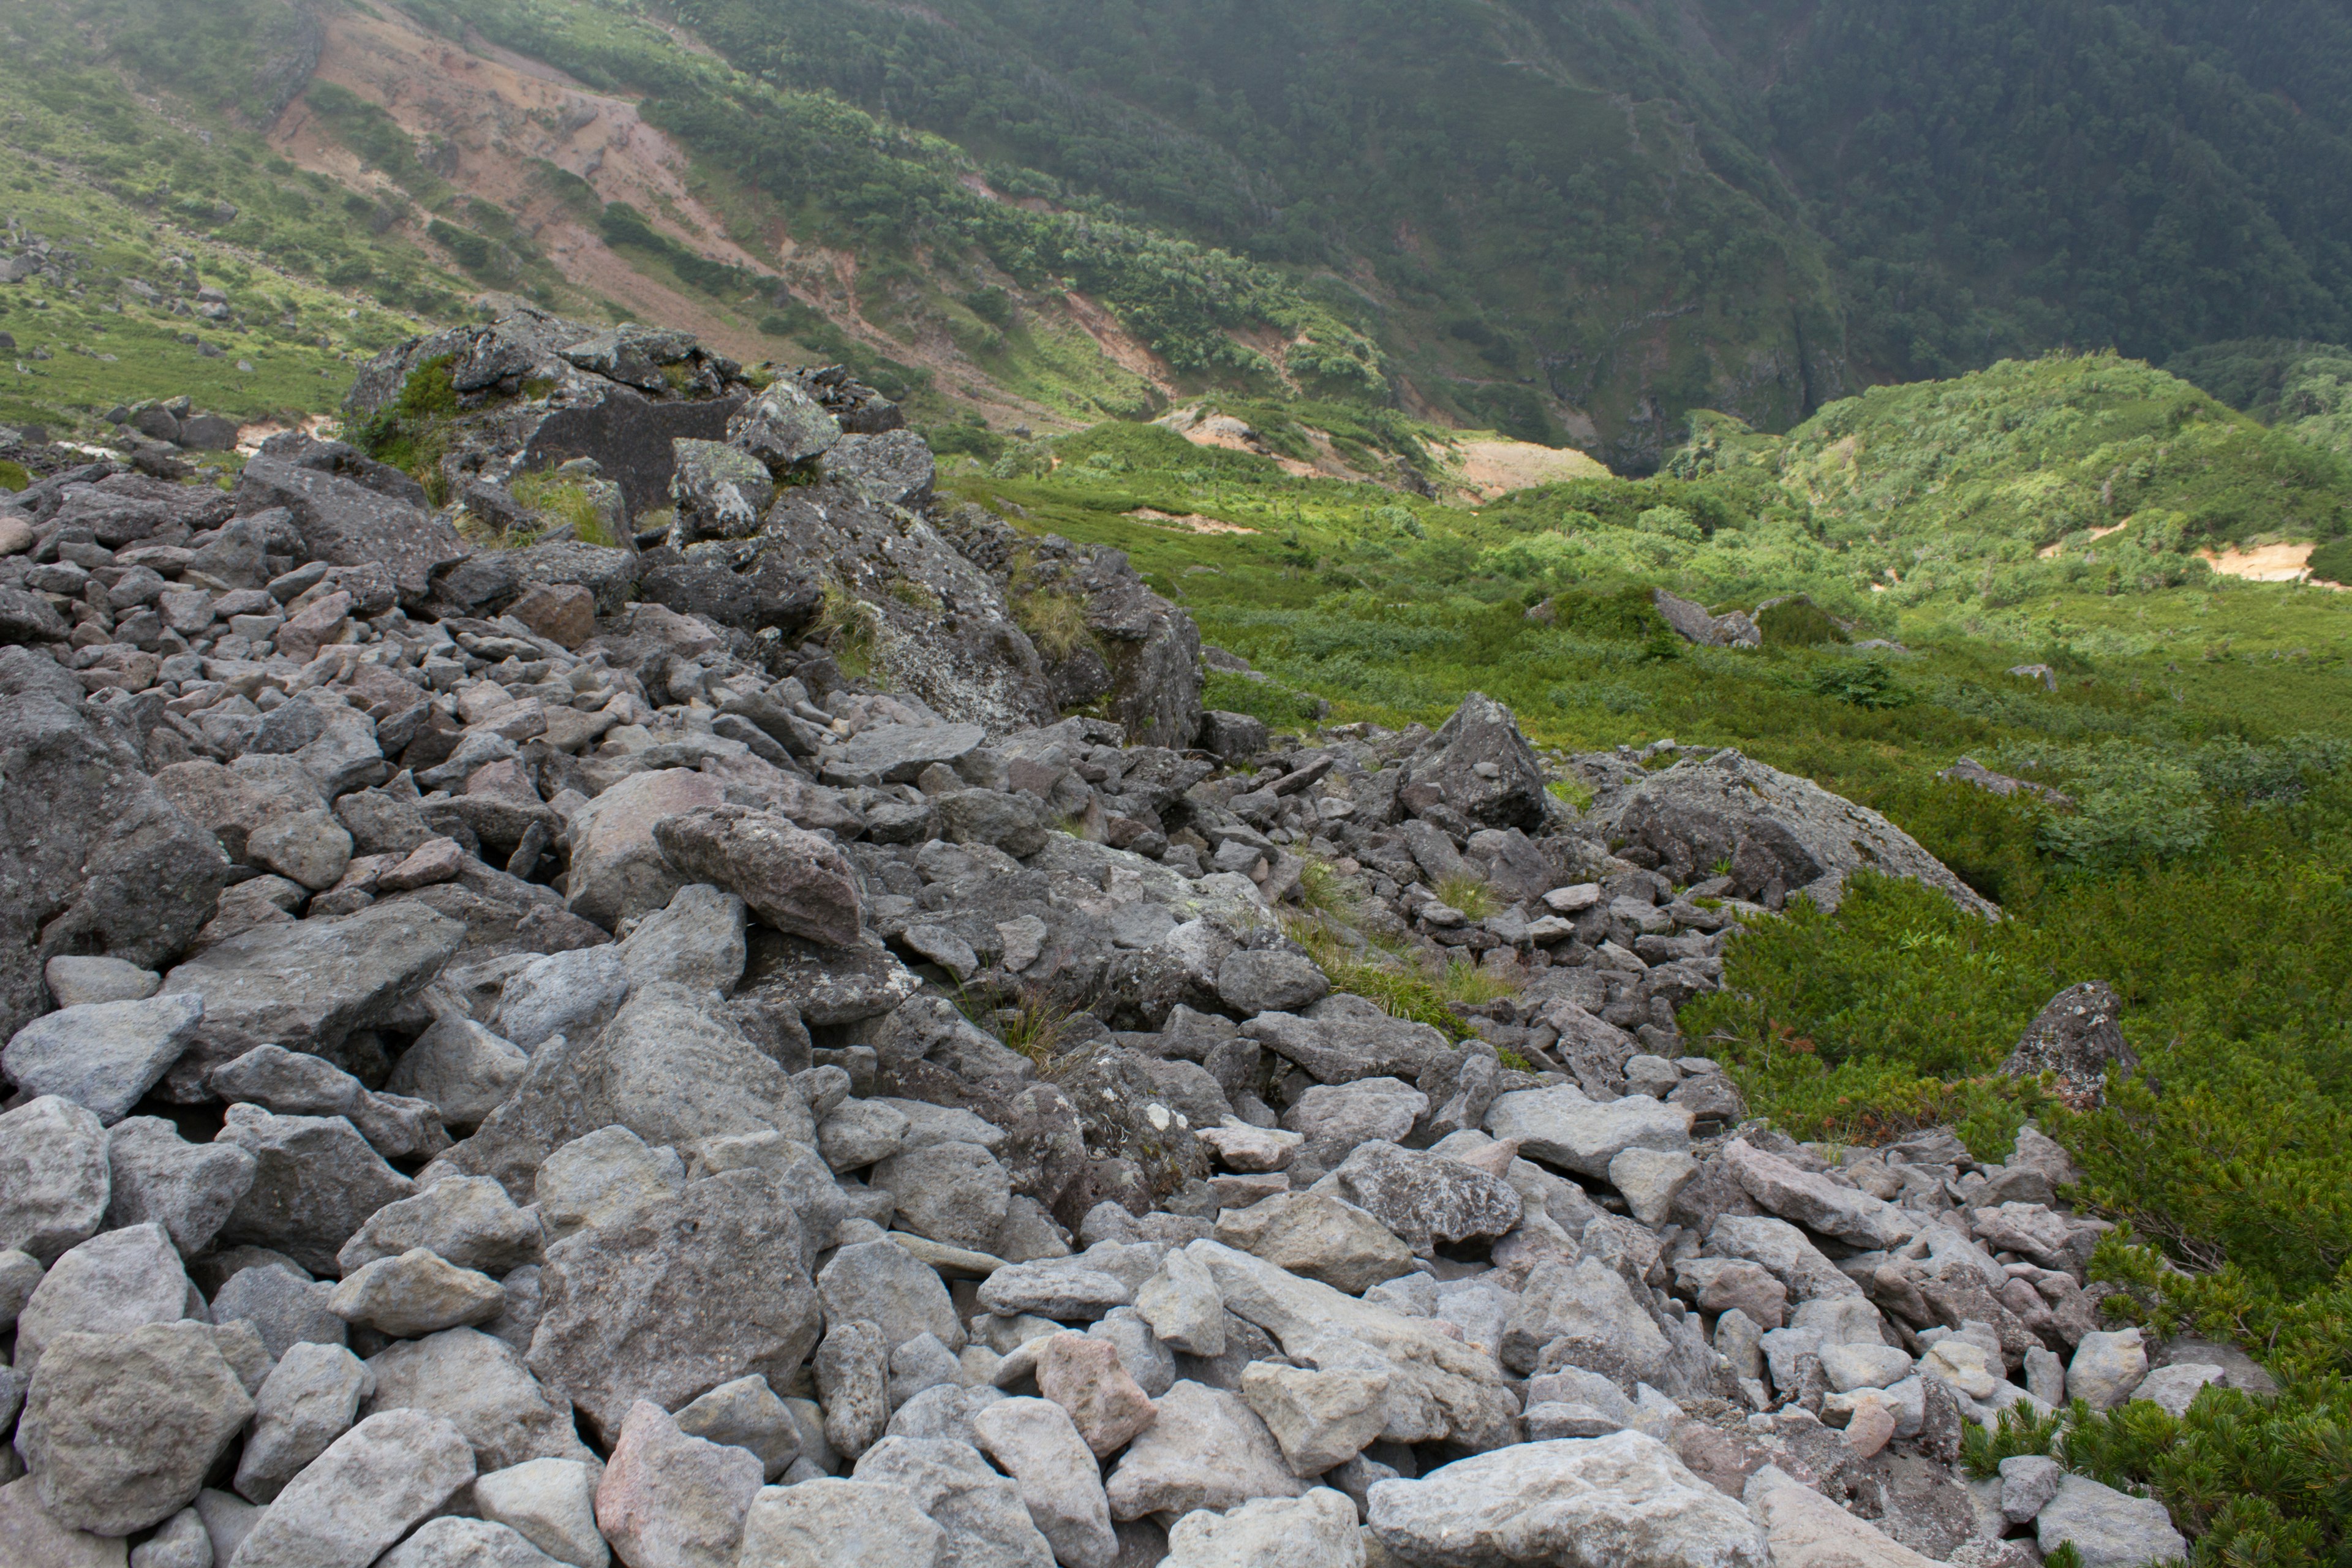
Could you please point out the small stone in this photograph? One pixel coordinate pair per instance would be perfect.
(853, 1380)
(1870, 1428)
(1270, 981)
(1183, 1307)
(1551, 1419)
(461, 1070)
(20, 1273)
(311, 1398)
(315, 1182)
(310, 847)
(77, 982)
(284, 1308)
(179, 1541)
(1425, 1199)
(479, 1385)
(880, 1282)
(187, 1188)
(374, 1485)
(1849, 1367)
(1085, 1377)
(469, 1222)
(2106, 1368)
(668, 1500)
(415, 1294)
(953, 1192)
(552, 1503)
(2173, 1388)
(746, 1413)
(1240, 1147)
(2028, 1482)
(433, 861)
(1649, 1180)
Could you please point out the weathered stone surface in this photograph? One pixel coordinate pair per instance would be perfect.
(1316, 1531)
(307, 985)
(103, 1054)
(179, 1541)
(2174, 1387)
(1425, 1199)
(28, 1535)
(1318, 1237)
(2074, 1036)
(825, 1522)
(415, 1293)
(53, 1177)
(1084, 1376)
(2106, 1368)
(2106, 1528)
(93, 856)
(448, 1543)
(312, 1397)
(986, 1522)
(372, 1486)
(1035, 1442)
(1208, 1449)
(746, 1415)
(478, 1383)
(954, 1192)
(784, 426)
(160, 1177)
(1251, 983)
(674, 1298)
(1807, 1530)
(1583, 1315)
(77, 982)
(571, 993)
(468, 1221)
(899, 753)
(1619, 1501)
(697, 941)
(110, 1284)
(346, 522)
(618, 868)
(1815, 1202)
(880, 1283)
(1063, 1288)
(794, 880)
(315, 1183)
(1341, 1048)
(668, 1500)
(1181, 1304)
(1561, 1127)
(1481, 766)
(552, 1503)
(461, 1070)
(1782, 835)
(119, 1429)
(1321, 1419)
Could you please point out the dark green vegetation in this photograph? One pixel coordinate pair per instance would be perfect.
(1750, 207)
(2301, 388)
(142, 212)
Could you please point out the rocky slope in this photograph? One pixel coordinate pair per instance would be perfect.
(725, 1049)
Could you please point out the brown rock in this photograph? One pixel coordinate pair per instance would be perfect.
(435, 860)
(563, 613)
(794, 880)
(1085, 1377)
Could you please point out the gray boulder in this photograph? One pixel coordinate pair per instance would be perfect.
(109, 1284)
(189, 1189)
(1780, 835)
(676, 1299)
(315, 1183)
(784, 426)
(103, 1055)
(460, 1069)
(2106, 1528)
(374, 1485)
(2074, 1036)
(1207, 1450)
(880, 1282)
(1480, 765)
(311, 1398)
(1032, 1441)
(1560, 1127)
(1316, 1531)
(953, 1192)
(120, 1429)
(1425, 1199)
(307, 985)
(1270, 981)
(746, 1415)
(668, 1500)
(54, 1180)
(479, 1384)
(987, 1525)
(855, 1524)
(468, 1221)
(794, 880)
(346, 524)
(447, 1542)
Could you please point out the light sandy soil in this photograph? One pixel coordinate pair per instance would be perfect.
(1118, 345)
(1193, 522)
(1495, 468)
(2050, 552)
(249, 437)
(2269, 564)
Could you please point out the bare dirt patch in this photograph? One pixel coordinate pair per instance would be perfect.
(2051, 551)
(2264, 563)
(1492, 468)
(1191, 522)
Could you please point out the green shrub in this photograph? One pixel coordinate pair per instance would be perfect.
(14, 475)
(1863, 683)
(1227, 691)
(1799, 623)
(2332, 562)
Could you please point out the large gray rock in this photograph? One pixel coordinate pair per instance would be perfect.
(1782, 835)
(1336, 1048)
(312, 1397)
(668, 1500)
(1269, 981)
(2074, 1036)
(1480, 765)
(552, 1503)
(103, 1054)
(307, 985)
(696, 940)
(187, 1188)
(347, 523)
(1815, 1202)
(1336, 1118)
(1032, 1441)
(292, 1083)
(315, 1183)
(120, 1429)
(880, 1282)
(284, 1308)
(1425, 1199)
(784, 426)
(600, 1178)
(374, 1485)
(468, 1221)
(415, 1293)
(617, 867)
(2106, 1368)
(796, 881)
(1321, 1419)
(1318, 1237)
(1584, 1315)
(109, 1284)
(985, 1521)
(746, 1415)
(897, 753)
(1316, 1531)
(1207, 1450)
(571, 994)
(93, 856)
(1560, 1127)
(893, 468)
(826, 1523)
(1619, 1501)
(2106, 1528)
(478, 1383)
(54, 1179)
(461, 1070)
(953, 1192)
(28, 1534)
(447, 1542)
(670, 1067)
(676, 1298)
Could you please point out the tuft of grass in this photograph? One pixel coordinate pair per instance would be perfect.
(1473, 898)
(1469, 984)
(562, 501)
(2018, 1432)
(1327, 894)
(1036, 1026)
(1578, 796)
(1054, 620)
(913, 595)
(850, 626)
(12, 476)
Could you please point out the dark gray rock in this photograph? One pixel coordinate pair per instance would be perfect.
(1480, 765)
(2077, 1037)
(347, 523)
(160, 1177)
(315, 1183)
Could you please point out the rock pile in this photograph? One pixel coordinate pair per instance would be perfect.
(523, 1058)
